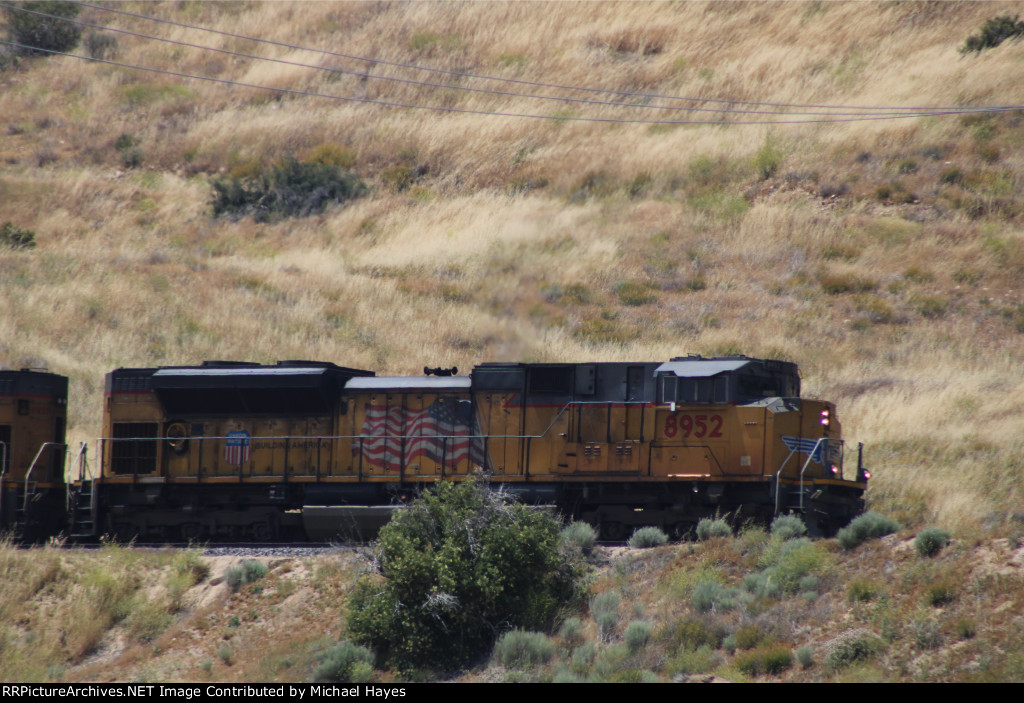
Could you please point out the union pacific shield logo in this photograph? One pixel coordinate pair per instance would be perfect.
(236, 448)
(805, 446)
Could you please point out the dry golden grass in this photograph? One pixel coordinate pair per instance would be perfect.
(885, 256)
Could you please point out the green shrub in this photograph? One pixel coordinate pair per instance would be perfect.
(805, 655)
(788, 527)
(769, 659)
(993, 33)
(44, 34)
(861, 591)
(647, 537)
(864, 527)
(456, 565)
(708, 529)
(691, 634)
(710, 596)
(637, 634)
(15, 237)
(852, 646)
(604, 607)
(290, 189)
(101, 45)
(634, 293)
(346, 663)
(580, 535)
(930, 541)
(249, 571)
(518, 649)
(571, 631)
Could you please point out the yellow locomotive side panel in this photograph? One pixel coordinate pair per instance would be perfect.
(132, 427)
(501, 423)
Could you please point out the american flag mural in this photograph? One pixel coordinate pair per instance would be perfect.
(445, 432)
(236, 447)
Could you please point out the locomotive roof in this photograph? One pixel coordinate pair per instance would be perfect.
(697, 367)
(410, 383)
(32, 382)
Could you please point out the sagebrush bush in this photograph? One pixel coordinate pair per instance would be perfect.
(852, 646)
(249, 571)
(519, 649)
(637, 634)
(864, 527)
(604, 607)
(712, 595)
(290, 188)
(456, 565)
(579, 535)
(930, 541)
(708, 528)
(788, 527)
(647, 537)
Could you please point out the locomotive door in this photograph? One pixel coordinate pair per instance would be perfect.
(501, 422)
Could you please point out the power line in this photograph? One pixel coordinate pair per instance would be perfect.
(463, 74)
(456, 110)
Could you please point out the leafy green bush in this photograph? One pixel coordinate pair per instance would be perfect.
(805, 655)
(930, 541)
(15, 237)
(864, 527)
(993, 33)
(708, 528)
(647, 537)
(520, 650)
(580, 535)
(290, 189)
(44, 34)
(345, 662)
(788, 527)
(456, 566)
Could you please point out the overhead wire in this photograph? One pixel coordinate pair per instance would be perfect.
(831, 117)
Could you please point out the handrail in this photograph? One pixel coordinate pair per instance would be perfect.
(810, 457)
(32, 466)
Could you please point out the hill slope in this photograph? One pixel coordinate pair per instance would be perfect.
(884, 256)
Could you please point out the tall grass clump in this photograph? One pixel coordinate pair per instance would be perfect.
(519, 649)
(930, 541)
(709, 529)
(647, 537)
(864, 527)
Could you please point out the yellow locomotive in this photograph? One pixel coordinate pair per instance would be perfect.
(247, 451)
(33, 417)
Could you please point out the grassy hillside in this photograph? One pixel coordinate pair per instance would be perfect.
(884, 256)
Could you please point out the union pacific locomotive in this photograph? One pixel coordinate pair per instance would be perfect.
(300, 449)
(246, 451)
